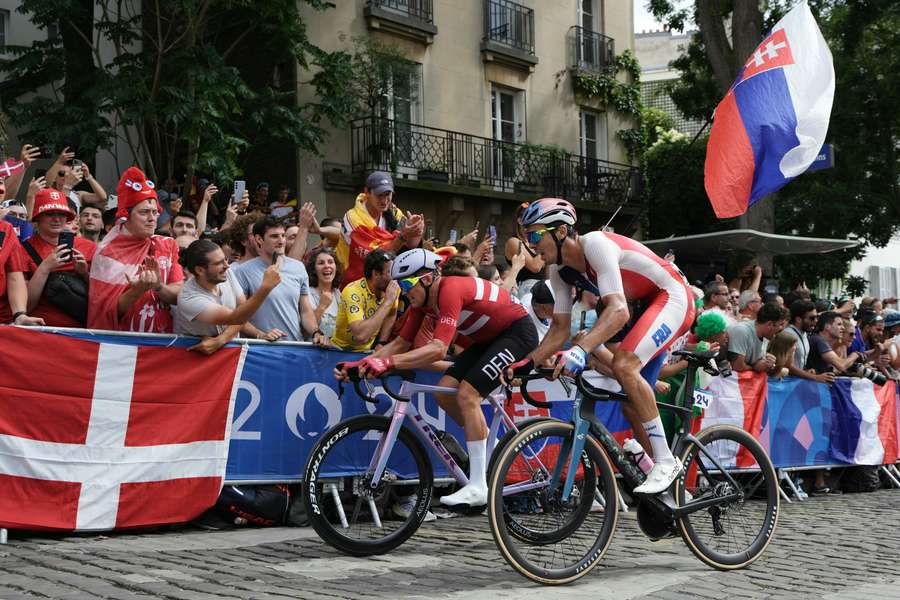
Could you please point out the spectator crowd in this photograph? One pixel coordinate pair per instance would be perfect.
(147, 259)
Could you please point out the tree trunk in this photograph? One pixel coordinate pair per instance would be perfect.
(79, 70)
(718, 50)
(746, 32)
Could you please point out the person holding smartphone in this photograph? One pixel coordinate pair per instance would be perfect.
(54, 248)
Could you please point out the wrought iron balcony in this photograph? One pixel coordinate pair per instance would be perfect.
(413, 19)
(453, 159)
(508, 34)
(589, 50)
(421, 10)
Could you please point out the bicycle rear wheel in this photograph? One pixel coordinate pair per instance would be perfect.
(344, 509)
(735, 533)
(543, 537)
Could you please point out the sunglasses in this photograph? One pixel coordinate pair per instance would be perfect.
(534, 237)
(409, 283)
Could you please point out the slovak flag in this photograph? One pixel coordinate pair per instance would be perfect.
(772, 123)
(97, 436)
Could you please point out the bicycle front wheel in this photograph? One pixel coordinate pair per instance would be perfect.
(541, 535)
(508, 435)
(345, 508)
(733, 534)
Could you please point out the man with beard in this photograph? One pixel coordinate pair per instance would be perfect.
(211, 305)
(91, 223)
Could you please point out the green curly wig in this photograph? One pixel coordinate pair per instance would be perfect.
(709, 324)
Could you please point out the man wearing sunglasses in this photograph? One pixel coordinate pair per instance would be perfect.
(618, 270)
(500, 333)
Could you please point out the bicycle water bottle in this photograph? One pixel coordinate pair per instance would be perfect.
(640, 457)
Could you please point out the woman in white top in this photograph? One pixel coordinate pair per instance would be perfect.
(324, 280)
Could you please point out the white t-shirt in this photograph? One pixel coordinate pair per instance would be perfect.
(329, 317)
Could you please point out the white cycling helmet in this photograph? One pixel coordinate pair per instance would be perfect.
(412, 261)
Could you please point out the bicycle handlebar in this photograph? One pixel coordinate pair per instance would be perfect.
(538, 373)
(588, 390)
(354, 377)
(704, 360)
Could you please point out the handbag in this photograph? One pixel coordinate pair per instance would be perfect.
(65, 290)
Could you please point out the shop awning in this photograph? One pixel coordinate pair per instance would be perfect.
(721, 243)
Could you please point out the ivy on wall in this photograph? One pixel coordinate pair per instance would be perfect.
(623, 97)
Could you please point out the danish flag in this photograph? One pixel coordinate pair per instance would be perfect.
(11, 167)
(97, 436)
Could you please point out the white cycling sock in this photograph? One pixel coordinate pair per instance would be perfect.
(477, 466)
(657, 435)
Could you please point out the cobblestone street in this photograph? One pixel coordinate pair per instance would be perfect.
(835, 547)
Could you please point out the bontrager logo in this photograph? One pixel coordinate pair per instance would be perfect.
(314, 468)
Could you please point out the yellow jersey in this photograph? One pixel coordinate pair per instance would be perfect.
(356, 303)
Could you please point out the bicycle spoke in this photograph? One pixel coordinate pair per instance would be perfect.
(736, 531)
(543, 536)
(360, 517)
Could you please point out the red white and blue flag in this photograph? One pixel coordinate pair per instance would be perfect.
(772, 123)
(97, 436)
(864, 430)
(804, 423)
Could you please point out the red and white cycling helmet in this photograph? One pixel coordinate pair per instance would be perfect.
(548, 210)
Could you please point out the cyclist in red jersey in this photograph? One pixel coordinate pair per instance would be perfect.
(617, 269)
(500, 331)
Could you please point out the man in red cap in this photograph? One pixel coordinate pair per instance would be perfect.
(135, 275)
(43, 254)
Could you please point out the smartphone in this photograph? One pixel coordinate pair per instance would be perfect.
(453, 235)
(239, 187)
(492, 231)
(275, 257)
(68, 238)
(46, 152)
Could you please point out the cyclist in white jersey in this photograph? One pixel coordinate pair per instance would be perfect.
(617, 269)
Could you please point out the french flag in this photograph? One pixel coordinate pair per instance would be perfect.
(772, 123)
(864, 422)
(739, 400)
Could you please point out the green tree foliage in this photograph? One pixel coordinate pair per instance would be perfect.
(677, 203)
(177, 77)
(859, 197)
(375, 69)
(622, 96)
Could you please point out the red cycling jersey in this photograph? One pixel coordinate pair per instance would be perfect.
(476, 308)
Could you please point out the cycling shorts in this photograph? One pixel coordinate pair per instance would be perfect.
(666, 317)
(480, 365)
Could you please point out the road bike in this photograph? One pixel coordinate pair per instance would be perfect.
(724, 505)
(363, 464)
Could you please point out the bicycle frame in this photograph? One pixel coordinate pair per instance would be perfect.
(586, 423)
(403, 409)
